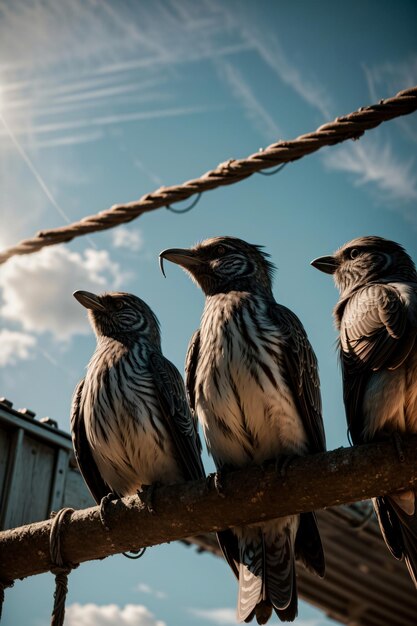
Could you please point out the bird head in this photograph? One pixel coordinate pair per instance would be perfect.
(120, 315)
(224, 264)
(364, 260)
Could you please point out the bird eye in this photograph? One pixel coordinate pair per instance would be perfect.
(119, 305)
(220, 250)
(354, 253)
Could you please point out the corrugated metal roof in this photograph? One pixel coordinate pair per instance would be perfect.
(364, 585)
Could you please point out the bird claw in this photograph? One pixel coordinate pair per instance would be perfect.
(216, 479)
(282, 463)
(111, 497)
(398, 445)
(264, 465)
(218, 483)
(103, 506)
(146, 496)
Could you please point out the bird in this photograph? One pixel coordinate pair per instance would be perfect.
(252, 380)
(376, 316)
(131, 424)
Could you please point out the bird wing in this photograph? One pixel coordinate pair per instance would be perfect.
(373, 328)
(171, 395)
(375, 333)
(301, 374)
(228, 541)
(88, 468)
(191, 361)
(229, 545)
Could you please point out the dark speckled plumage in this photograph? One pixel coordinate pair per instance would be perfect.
(252, 380)
(130, 421)
(377, 319)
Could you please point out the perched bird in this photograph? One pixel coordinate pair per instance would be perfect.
(131, 424)
(377, 319)
(252, 380)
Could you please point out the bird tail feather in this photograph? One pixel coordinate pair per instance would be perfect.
(308, 546)
(410, 550)
(389, 525)
(399, 530)
(279, 571)
(290, 613)
(251, 568)
(266, 578)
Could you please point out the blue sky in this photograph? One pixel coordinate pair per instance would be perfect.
(102, 102)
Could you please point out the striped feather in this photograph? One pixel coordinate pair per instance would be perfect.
(252, 380)
(239, 382)
(250, 413)
(251, 568)
(131, 423)
(279, 570)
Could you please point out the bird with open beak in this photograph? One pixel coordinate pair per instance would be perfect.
(252, 380)
(131, 424)
(377, 319)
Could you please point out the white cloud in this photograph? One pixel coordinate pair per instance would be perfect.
(228, 616)
(15, 346)
(216, 616)
(125, 237)
(149, 173)
(310, 91)
(255, 111)
(386, 79)
(13, 195)
(377, 165)
(109, 615)
(33, 169)
(127, 55)
(70, 140)
(144, 588)
(118, 118)
(37, 290)
(269, 48)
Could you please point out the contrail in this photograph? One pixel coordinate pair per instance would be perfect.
(55, 363)
(36, 174)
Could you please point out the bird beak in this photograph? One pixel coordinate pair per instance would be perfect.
(326, 264)
(186, 258)
(89, 300)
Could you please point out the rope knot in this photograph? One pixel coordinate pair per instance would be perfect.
(59, 568)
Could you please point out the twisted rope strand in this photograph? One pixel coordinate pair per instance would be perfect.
(59, 568)
(351, 126)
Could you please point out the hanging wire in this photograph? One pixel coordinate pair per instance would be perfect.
(188, 208)
(275, 171)
(134, 555)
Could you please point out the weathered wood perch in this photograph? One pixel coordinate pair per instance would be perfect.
(250, 495)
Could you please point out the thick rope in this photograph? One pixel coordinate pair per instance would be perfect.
(4, 585)
(59, 568)
(350, 126)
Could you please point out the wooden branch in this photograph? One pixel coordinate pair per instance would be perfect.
(250, 495)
